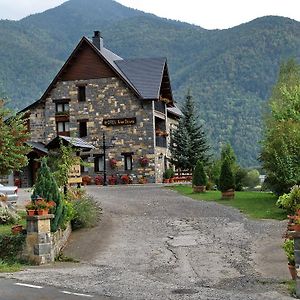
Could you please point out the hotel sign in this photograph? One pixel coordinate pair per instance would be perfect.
(119, 122)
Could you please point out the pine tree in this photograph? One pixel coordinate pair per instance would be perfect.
(46, 187)
(188, 141)
(226, 176)
(199, 176)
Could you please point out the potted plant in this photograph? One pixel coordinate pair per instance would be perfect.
(86, 180)
(199, 178)
(30, 208)
(42, 207)
(142, 180)
(168, 175)
(288, 247)
(98, 180)
(126, 179)
(144, 161)
(226, 180)
(113, 163)
(112, 180)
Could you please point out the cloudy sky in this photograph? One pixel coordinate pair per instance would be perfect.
(209, 14)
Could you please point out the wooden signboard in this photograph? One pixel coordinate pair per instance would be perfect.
(75, 174)
(119, 122)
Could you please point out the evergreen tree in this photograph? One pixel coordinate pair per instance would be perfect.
(280, 154)
(199, 176)
(226, 181)
(188, 141)
(46, 187)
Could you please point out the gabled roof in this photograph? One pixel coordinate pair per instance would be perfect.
(38, 146)
(144, 74)
(73, 141)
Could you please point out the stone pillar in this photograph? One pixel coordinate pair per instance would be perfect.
(39, 248)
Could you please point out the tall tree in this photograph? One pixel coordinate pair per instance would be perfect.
(13, 135)
(280, 154)
(189, 142)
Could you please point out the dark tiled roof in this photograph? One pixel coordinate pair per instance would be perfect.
(73, 141)
(38, 146)
(144, 74)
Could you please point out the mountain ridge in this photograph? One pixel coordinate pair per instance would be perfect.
(230, 72)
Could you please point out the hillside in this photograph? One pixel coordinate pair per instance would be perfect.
(230, 72)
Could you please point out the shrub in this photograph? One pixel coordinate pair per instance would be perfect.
(252, 178)
(8, 216)
(112, 180)
(86, 212)
(86, 180)
(288, 247)
(113, 163)
(226, 181)
(144, 161)
(290, 201)
(11, 246)
(199, 176)
(169, 173)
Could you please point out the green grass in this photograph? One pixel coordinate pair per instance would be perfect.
(8, 267)
(6, 229)
(257, 205)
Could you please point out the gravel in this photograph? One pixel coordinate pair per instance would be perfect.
(153, 243)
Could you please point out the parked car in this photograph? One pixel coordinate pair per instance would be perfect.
(11, 192)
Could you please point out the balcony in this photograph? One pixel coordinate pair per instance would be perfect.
(160, 106)
(161, 141)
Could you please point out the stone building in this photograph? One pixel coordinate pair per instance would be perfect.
(96, 92)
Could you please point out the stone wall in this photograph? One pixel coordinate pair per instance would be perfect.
(108, 98)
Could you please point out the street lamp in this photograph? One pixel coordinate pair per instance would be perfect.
(104, 147)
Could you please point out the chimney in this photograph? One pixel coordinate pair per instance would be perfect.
(97, 40)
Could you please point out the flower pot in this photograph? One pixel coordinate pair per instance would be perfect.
(166, 180)
(297, 227)
(227, 195)
(171, 180)
(199, 188)
(293, 271)
(42, 212)
(30, 212)
(16, 229)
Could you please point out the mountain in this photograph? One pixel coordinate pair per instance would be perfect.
(229, 72)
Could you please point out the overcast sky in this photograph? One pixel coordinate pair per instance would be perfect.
(209, 14)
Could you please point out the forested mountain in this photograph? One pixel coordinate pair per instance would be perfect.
(229, 72)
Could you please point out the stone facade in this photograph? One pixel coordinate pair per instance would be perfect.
(106, 98)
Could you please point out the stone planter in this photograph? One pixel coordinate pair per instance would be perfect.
(42, 212)
(199, 188)
(227, 195)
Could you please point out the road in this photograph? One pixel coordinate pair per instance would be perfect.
(152, 243)
(12, 290)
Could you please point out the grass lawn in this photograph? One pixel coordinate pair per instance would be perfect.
(258, 205)
(9, 267)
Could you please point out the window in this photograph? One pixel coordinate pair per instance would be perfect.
(63, 127)
(82, 128)
(127, 161)
(62, 107)
(81, 93)
(99, 163)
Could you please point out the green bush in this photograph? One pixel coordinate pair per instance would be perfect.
(199, 176)
(252, 178)
(226, 181)
(169, 173)
(290, 201)
(8, 216)
(11, 246)
(86, 212)
(288, 247)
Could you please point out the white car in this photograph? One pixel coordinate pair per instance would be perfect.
(11, 192)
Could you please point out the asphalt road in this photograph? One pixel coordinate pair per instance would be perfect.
(152, 243)
(18, 290)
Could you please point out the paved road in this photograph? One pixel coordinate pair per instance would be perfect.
(155, 244)
(18, 290)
